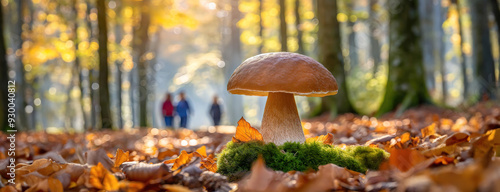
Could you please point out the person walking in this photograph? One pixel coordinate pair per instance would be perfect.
(215, 111)
(183, 110)
(168, 111)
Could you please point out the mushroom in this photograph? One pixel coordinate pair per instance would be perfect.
(280, 76)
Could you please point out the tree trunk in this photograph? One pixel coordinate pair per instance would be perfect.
(106, 121)
(496, 13)
(406, 81)
(232, 55)
(4, 70)
(119, 37)
(481, 49)
(261, 27)
(463, 65)
(439, 53)
(283, 33)
(330, 55)
(141, 41)
(299, 30)
(374, 43)
(21, 120)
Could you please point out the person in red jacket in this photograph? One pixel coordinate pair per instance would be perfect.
(168, 111)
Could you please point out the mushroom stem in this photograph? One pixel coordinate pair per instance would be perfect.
(281, 121)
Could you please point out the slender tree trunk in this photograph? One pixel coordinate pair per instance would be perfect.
(330, 55)
(496, 13)
(21, 120)
(78, 68)
(261, 26)
(119, 37)
(463, 66)
(141, 41)
(232, 55)
(406, 82)
(299, 30)
(152, 84)
(481, 49)
(374, 43)
(4, 70)
(283, 33)
(106, 121)
(441, 49)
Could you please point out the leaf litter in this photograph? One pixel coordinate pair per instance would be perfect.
(431, 149)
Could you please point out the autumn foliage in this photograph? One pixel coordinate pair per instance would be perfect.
(430, 149)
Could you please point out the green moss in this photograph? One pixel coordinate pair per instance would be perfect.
(237, 158)
(370, 157)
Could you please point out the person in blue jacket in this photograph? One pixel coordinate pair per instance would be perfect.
(183, 110)
(215, 111)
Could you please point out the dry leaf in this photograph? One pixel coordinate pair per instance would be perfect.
(55, 185)
(121, 157)
(202, 151)
(168, 153)
(326, 139)
(210, 163)
(405, 159)
(429, 130)
(145, 172)
(131, 186)
(176, 188)
(245, 132)
(95, 157)
(260, 177)
(183, 159)
(457, 138)
(8, 188)
(101, 178)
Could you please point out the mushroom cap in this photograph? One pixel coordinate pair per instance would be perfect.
(282, 72)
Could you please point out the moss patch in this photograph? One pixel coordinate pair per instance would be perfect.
(237, 158)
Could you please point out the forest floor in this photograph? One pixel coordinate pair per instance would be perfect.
(430, 149)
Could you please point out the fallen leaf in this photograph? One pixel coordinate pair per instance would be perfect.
(145, 172)
(8, 188)
(245, 132)
(260, 177)
(202, 151)
(429, 130)
(404, 159)
(444, 160)
(457, 138)
(121, 157)
(55, 185)
(168, 153)
(101, 178)
(131, 186)
(494, 136)
(95, 157)
(176, 188)
(209, 163)
(183, 159)
(326, 139)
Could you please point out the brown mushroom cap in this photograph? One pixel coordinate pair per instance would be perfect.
(282, 72)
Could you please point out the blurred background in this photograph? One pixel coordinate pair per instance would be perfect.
(92, 64)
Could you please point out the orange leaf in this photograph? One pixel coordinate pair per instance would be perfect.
(457, 138)
(405, 137)
(494, 136)
(209, 163)
(429, 130)
(121, 157)
(167, 153)
(101, 178)
(325, 139)
(202, 151)
(183, 159)
(55, 185)
(8, 188)
(245, 132)
(405, 159)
